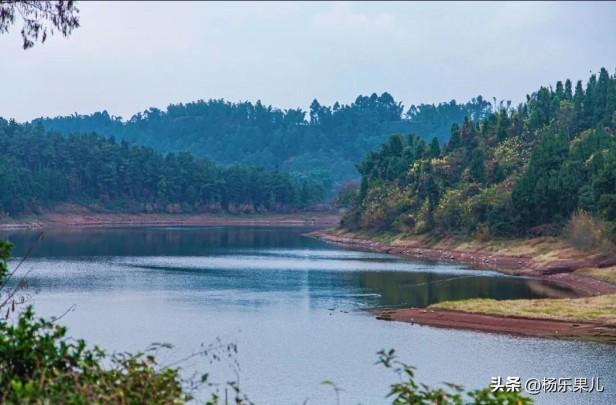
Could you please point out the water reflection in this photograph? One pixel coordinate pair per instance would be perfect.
(293, 305)
(262, 265)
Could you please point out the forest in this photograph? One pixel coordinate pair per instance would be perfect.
(322, 145)
(515, 172)
(38, 169)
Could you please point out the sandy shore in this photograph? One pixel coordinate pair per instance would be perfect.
(87, 219)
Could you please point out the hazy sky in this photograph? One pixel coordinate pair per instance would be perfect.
(127, 57)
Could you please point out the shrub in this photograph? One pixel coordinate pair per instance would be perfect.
(39, 364)
(585, 232)
(410, 392)
(449, 215)
(383, 205)
(482, 233)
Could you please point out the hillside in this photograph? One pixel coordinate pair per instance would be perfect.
(517, 172)
(38, 170)
(323, 144)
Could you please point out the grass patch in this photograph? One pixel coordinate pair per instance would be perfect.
(606, 274)
(593, 309)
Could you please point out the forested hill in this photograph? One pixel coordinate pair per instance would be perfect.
(324, 143)
(38, 170)
(517, 172)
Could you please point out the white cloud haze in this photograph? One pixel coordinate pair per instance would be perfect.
(127, 57)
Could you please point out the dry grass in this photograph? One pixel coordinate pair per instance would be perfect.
(587, 233)
(594, 309)
(543, 251)
(606, 274)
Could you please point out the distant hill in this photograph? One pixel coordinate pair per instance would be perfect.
(323, 144)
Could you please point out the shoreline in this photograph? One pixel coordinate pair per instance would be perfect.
(56, 220)
(557, 271)
(510, 325)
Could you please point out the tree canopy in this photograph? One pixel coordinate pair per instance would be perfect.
(38, 169)
(323, 144)
(515, 171)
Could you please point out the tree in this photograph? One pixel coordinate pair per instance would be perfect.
(503, 125)
(40, 19)
(604, 188)
(578, 101)
(322, 144)
(455, 140)
(435, 148)
(38, 169)
(477, 168)
(568, 90)
(514, 170)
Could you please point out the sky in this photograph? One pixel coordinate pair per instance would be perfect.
(127, 57)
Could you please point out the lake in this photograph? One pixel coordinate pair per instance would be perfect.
(295, 307)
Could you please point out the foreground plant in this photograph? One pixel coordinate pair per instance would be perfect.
(38, 363)
(409, 392)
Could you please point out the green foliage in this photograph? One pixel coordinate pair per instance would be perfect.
(323, 148)
(477, 168)
(436, 120)
(5, 253)
(435, 148)
(604, 187)
(347, 194)
(38, 169)
(39, 364)
(510, 173)
(409, 392)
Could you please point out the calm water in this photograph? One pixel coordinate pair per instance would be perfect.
(295, 308)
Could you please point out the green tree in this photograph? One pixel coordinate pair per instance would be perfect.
(435, 148)
(477, 168)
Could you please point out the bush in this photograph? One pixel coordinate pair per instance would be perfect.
(585, 232)
(383, 205)
(449, 215)
(38, 364)
(410, 392)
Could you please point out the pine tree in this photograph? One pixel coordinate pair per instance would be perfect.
(578, 103)
(477, 168)
(435, 148)
(568, 90)
(503, 125)
(455, 140)
(600, 113)
(589, 102)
